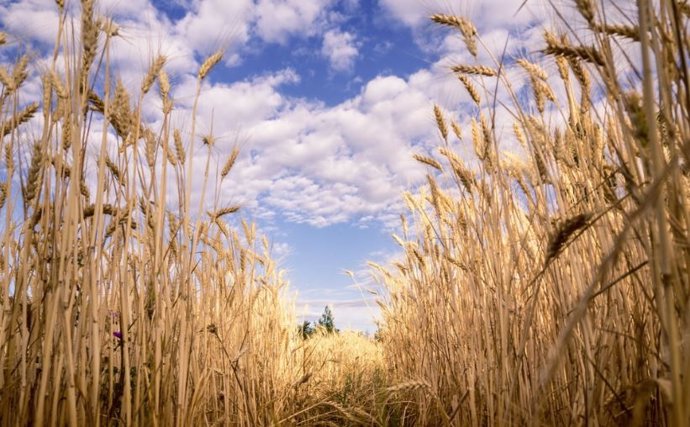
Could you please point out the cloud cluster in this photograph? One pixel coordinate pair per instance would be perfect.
(486, 14)
(340, 49)
(301, 160)
(278, 19)
(318, 164)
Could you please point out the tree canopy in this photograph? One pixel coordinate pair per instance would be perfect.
(327, 321)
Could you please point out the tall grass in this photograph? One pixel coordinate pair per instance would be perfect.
(549, 287)
(552, 288)
(122, 301)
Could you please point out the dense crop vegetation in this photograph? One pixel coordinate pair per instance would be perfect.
(546, 286)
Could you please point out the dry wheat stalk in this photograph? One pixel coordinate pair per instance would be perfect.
(428, 161)
(170, 155)
(6, 79)
(106, 209)
(20, 73)
(532, 69)
(465, 26)
(151, 147)
(33, 181)
(179, 148)
(109, 27)
(474, 94)
(586, 9)
(539, 97)
(463, 174)
(477, 140)
(480, 70)
(46, 99)
(456, 129)
(519, 135)
(629, 31)
(164, 90)
(230, 162)
(562, 48)
(581, 74)
(684, 7)
(441, 122)
(89, 38)
(563, 71)
(114, 169)
(152, 73)
(66, 135)
(223, 227)
(3, 194)
(450, 20)
(58, 85)
(18, 119)
(565, 230)
(209, 63)
(409, 386)
(96, 103)
(208, 140)
(215, 215)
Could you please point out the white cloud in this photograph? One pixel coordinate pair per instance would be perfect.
(340, 48)
(410, 12)
(280, 250)
(278, 19)
(31, 19)
(114, 8)
(349, 160)
(246, 102)
(485, 14)
(301, 159)
(217, 23)
(310, 163)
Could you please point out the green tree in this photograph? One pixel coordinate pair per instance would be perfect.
(305, 329)
(327, 321)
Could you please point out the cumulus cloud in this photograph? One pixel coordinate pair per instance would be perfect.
(278, 19)
(280, 250)
(30, 19)
(486, 14)
(409, 12)
(340, 49)
(301, 160)
(311, 163)
(202, 27)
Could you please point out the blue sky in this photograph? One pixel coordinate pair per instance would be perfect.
(328, 100)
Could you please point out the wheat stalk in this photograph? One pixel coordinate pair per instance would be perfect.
(152, 73)
(558, 48)
(216, 215)
(565, 230)
(480, 70)
(209, 63)
(468, 30)
(230, 162)
(179, 148)
(34, 177)
(441, 122)
(474, 94)
(428, 161)
(18, 119)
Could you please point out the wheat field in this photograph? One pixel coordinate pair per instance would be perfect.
(548, 285)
